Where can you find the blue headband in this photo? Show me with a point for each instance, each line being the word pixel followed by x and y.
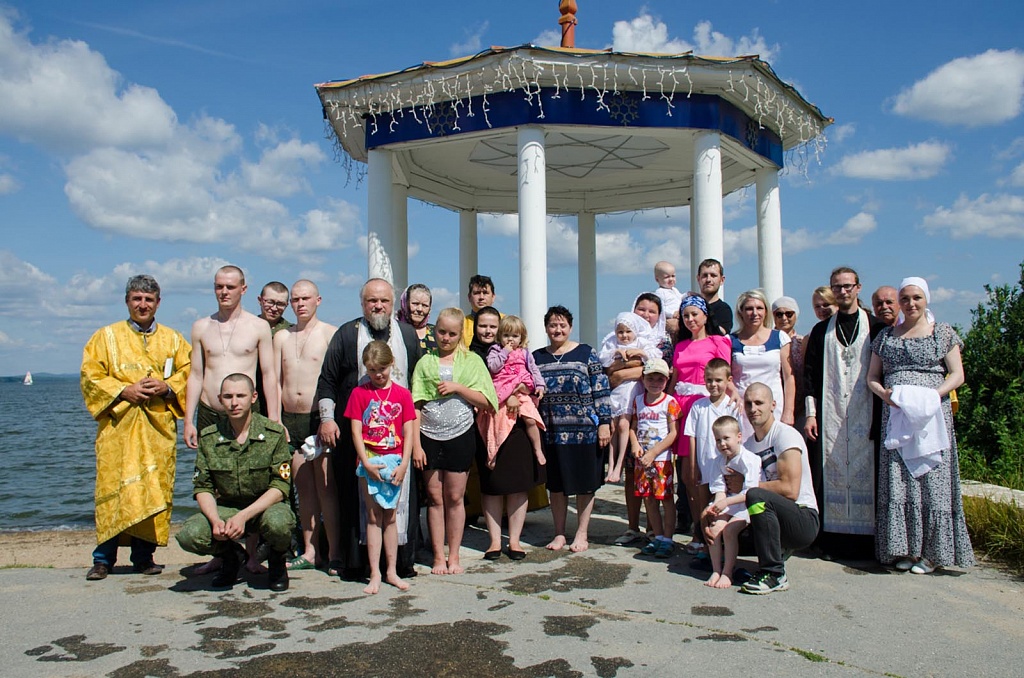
pixel 694 301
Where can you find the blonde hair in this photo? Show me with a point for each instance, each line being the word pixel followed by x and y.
pixel 825 292
pixel 456 315
pixel 725 422
pixel 378 354
pixel 510 324
pixel 759 295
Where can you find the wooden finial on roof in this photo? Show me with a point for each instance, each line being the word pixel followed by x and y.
pixel 568 22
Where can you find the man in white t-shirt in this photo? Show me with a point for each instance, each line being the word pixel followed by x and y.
pixel 783 510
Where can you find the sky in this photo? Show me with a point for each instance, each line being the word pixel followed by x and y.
pixel 173 138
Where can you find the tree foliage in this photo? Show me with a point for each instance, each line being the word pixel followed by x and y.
pixel 990 423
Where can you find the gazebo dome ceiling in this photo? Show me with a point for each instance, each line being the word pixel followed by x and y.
pixel 619 128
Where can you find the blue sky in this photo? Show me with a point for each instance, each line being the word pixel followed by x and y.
pixel 171 138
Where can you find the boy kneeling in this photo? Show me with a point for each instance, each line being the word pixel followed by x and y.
pixel 243 473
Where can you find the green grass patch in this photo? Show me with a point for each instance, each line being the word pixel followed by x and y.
pixel 810 656
pixel 19 566
pixel 997 530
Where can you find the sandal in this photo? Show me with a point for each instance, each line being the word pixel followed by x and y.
pixel 334 568
pixel 299 563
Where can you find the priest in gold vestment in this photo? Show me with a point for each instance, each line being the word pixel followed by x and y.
pixel 133 381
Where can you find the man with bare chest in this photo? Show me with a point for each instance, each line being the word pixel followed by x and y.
pixel 299 351
pixel 229 341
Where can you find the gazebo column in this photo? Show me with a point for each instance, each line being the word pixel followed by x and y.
pixel 769 233
pixel 691 285
pixel 380 208
pixel 468 253
pixel 707 198
pixel 586 250
pixel 400 237
pixel 533 248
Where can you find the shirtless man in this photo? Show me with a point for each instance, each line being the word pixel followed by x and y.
pixel 299 351
pixel 229 341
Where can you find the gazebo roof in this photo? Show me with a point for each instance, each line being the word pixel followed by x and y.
pixel 620 127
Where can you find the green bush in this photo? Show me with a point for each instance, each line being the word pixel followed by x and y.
pixel 990 423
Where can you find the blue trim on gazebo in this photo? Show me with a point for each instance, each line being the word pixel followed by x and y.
pixel 567 107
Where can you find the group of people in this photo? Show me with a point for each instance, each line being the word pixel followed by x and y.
pixel 347 432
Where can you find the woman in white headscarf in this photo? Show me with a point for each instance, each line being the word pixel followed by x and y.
pixel 920 521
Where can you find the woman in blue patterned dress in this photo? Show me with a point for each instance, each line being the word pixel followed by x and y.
pixel 577 415
pixel 920 518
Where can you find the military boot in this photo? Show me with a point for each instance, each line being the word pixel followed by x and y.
pixel 277 577
pixel 228 574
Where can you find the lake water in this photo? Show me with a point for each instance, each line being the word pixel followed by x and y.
pixel 47 443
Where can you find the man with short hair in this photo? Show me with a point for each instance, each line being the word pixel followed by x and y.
pixel 885 305
pixel 273 300
pixel 133 380
pixel 480 296
pixel 300 353
pixel 229 341
pixel 242 475
pixel 782 508
pixel 342 370
pixel 843 418
pixel 710 276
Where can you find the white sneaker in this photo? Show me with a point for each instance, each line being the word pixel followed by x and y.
pixel 905 564
pixel 923 566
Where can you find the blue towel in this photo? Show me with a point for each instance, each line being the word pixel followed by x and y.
pixel 384 493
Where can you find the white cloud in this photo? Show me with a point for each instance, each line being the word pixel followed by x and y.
pixel 499 224
pixel 1017 176
pixel 442 297
pixel 353 280
pixel 840 133
pixel 854 230
pixel 472 42
pixel 961 298
pixel 175 276
pixel 996 216
pixel 917 161
pixel 6 340
pixel 549 38
pixel 22 286
pixel 62 95
pixel 646 33
pixel 279 170
pixel 985 89
pixel 738 243
pixel 8 184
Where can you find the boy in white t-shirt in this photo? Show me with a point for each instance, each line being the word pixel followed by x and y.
pixel 727 516
pixel 653 431
pixel 703 414
pixel 665 276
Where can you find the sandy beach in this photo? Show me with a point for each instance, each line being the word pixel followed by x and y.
pixel 71 548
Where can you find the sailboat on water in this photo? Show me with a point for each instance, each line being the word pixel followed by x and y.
pixel 28 379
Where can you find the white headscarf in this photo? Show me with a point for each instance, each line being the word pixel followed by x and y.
pixel 644 338
pixel 923 284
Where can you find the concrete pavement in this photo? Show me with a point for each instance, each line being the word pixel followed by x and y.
pixel 605 612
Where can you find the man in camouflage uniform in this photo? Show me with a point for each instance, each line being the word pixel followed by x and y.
pixel 243 474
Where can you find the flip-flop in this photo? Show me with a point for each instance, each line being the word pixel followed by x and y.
pixel 334 568
pixel 300 563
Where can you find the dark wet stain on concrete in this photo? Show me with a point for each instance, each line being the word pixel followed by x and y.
pixel 330 625
pixel 233 609
pixel 852 570
pixel 157 668
pixel 152 650
pixel 308 603
pixel 576 573
pixel 481 595
pixel 398 609
pixel 723 637
pixel 279 636
pixel 589 601
pixel 608 667
pixel 639 611
pixel 463 648
pixel 500 606
pixel 543 555
pixel 577 626
pixel 224 642
pixel 760 629
pixel 144 589
pixel 77 650
pixel 36 651
pixel 843 610
pixel 710 611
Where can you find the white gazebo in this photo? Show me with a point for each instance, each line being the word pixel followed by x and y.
pixel 562 131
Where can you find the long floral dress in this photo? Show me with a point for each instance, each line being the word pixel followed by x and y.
pixel 920 516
